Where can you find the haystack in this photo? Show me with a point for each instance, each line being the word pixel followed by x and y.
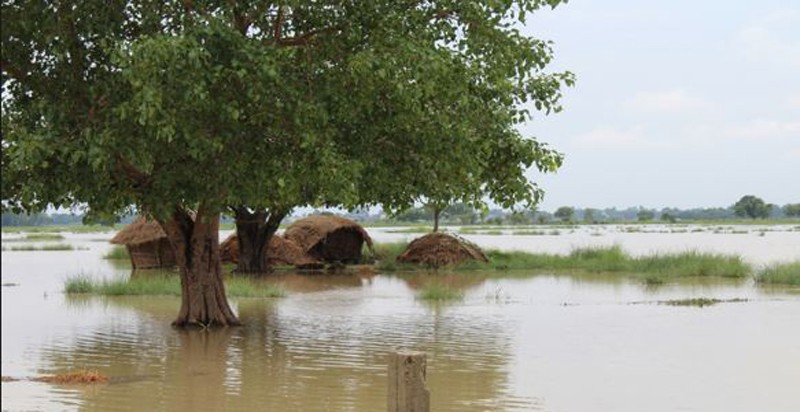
pixel 441 249
pixel 280 252
pixel 329 238
pixel 147 244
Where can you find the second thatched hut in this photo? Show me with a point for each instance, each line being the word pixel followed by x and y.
pixel 147 244
pixel 329 238
pixel 280 252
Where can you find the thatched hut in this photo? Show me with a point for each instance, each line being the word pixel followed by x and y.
pixel 329 238
pixel 147 244
pixel 441 249
pixel 281 251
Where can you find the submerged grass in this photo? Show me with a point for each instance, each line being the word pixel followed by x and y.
pixel 699 302
pixel 117 253
pixel 44 236
pixel 165 285
pixel 40 248
pixel 781 273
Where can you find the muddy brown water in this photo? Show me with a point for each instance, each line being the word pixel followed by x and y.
pixel 516 342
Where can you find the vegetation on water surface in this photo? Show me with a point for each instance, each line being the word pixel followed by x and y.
pixel 117 253
pixel 780 273
pixel 653 269
pixel 42 248
pixel 79 377
pixel 699 302
pixel 165 284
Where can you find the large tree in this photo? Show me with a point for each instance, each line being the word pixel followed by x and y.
pixel 752 207
pixel 185 109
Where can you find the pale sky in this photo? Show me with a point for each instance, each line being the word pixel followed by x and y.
pixel 677 103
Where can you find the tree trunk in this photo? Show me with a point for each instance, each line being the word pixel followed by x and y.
pixel 436 212
pixel 254 231
pixel 196 246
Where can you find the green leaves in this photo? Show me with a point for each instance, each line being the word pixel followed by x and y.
pixel 170 103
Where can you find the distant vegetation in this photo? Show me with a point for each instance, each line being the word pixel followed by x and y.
pixel 39 248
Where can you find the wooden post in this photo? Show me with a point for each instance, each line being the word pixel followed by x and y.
pixel 407 388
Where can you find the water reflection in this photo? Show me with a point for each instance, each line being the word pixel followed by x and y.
pixel 282 359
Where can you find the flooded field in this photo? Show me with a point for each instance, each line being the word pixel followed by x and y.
pixel 516 342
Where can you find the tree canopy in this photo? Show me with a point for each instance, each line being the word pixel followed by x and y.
pixel 176 107
pixel 752 207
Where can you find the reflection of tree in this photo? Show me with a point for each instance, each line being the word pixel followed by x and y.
pixel 305 352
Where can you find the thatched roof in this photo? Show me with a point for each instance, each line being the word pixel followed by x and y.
pixel 281 251
pixel 140 231
pixel 441 249
pixel 309 231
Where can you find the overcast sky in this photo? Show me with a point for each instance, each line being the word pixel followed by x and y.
pixel 678 103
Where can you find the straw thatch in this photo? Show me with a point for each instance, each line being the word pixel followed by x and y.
pixel 147 245
pixel 441 249
pixel 281 251
pixel 329 238
pixel 140 231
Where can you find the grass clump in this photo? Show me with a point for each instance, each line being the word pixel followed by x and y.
pixel 78 285
pixel 699 302
pixel 439 292
pixel 693 263
pixel 781 273
pixel 165 285
pixel 43 236
pixel 117 253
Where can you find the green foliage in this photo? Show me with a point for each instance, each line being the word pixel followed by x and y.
pixel 645 215
pixel 565 213
pixel 158 104
pixel 781 273
pixel 752 207
pixel 792 209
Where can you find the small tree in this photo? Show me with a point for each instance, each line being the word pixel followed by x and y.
pixel 565 213
pixel 752 207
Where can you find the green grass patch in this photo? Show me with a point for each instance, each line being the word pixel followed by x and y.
pixel 699 302
pixel 653 270
pixel 435 291
pixel 117 253
pixel 166 285
pixel 44 236
pixel 781 273
pixel 529 233
pixel 41 248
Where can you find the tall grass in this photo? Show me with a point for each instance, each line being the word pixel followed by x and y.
pixel 165 285
pixel 781 273
pixel 117 253
pixel 654 269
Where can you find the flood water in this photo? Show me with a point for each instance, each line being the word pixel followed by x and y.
pixel 517 341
